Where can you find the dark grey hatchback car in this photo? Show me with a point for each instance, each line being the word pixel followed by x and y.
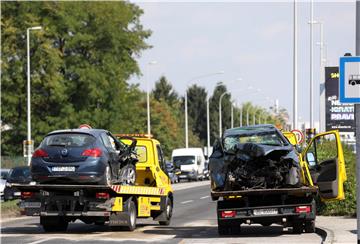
pixel 84 156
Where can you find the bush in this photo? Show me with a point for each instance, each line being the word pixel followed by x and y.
pixel 347 207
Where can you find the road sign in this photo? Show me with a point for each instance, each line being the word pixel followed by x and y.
pixel 349 88
pixel 299 136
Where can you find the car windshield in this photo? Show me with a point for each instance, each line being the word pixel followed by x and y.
pixel 69 140
pixel 4 174
pixel 183 160
pixel 271 138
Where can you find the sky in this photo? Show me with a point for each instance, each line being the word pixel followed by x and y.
pixel 251 41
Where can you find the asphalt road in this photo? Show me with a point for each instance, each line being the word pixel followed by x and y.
pixel 194 221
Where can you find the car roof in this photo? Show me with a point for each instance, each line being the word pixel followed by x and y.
pixel 94 132
pixel 249 129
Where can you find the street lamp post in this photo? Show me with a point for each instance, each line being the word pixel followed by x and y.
pixel 186 104
pixel 148 98
pixel 220 115
pixel 311 64
pixel 29 142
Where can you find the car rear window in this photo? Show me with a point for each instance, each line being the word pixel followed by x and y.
pixel 69 140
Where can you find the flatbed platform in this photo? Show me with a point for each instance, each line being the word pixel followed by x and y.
pixel 288 191
pixel 120 189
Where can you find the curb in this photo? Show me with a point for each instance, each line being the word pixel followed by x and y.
pixel 327 235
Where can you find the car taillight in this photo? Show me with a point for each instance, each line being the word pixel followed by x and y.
pixel 102 195
pixel 303 209
pixel 228 214
pixel 93 152
pixel 40 153
pixel 26 194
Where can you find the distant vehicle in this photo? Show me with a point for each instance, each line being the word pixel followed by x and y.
pixel 77 156
pixel 190 161
pixel 4 175
pixel 19 175
pixel 206 171
pixel 354 80
pixel 170 169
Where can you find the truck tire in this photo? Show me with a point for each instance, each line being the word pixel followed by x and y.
pixel 298 227
pixel 53 223
pixel 229 228
pixel 132 217
pixel 168 212
pixel 310 226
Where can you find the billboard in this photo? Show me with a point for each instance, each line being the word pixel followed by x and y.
pixel 339 116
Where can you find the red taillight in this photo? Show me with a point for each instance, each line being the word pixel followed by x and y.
pixel 303 209
pixel 102 195
pixel 40 153
pixel 93 152
pixel 228 214
pixel 26 194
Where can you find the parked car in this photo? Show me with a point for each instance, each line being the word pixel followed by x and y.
pixel 19 175
pixel 191 163
pixel 77 156
pixel 4 175
pixel 172 172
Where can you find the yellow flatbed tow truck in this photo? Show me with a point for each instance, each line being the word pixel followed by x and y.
pixel 117 205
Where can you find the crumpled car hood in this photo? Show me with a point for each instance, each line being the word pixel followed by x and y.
pixel 254 166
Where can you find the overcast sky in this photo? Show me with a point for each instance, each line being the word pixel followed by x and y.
pixel 248 40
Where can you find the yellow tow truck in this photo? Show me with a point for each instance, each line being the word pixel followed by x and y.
pixel 117 205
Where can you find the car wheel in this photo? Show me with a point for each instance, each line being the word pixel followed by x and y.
pixel 353 83
pixel 107 178
pixel 128 174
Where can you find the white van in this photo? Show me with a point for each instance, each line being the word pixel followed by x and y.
pixel 190 161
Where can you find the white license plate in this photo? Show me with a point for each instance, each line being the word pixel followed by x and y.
pixel 17 193
pixel 267 211
pixel 30 204
pixel 63 169
pixel 183 176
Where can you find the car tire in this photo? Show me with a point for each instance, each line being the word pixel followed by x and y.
pixel 128 174
pixel 353 83
pixel 107 178
pixel 168 212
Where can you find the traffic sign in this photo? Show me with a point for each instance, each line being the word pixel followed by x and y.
pixel 349 85
pixel 299 136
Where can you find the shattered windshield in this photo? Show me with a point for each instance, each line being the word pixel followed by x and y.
pixel 271 138
pixel 183 160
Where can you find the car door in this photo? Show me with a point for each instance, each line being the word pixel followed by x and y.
pixel 110 144
pixel 325 159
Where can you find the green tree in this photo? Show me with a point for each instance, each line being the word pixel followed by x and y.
pixel 164 91
pixel 197 111
pixel 80 63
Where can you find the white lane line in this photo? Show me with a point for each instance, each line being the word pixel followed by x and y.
pixel 204 197
pixel 189 201
pixel 42 240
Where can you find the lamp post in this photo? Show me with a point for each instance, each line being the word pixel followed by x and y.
pixel 148 97
pixel 29 142
pixel 186 103
pixel 311 64
pixel 295 77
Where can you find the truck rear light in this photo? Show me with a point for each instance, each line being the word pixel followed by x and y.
pixel 102 195
pixel 303 209
pixel 40 153
pixel 93 152
pixel 26 194
pixel 228 214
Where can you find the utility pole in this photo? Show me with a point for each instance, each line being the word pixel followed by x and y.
pixel 311 64
pixel 357 125
pixel 295 95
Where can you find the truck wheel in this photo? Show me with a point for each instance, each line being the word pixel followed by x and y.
pixel 310 226
pixel 214 198
pixel 53 224
pixel 132 217
pixel 297 227
pixel 168 212
pixel 223 230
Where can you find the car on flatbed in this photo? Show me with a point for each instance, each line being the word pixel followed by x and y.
pixel 246 193
pixel 118 205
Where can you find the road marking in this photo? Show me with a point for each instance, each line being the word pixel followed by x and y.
pixel 189 201
pixel 204 197
pixel 39 241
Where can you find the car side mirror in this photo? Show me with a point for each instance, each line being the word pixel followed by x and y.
pixel 310 158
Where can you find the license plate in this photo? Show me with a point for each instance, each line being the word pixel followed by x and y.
pixel 18 193
pixel 63 169
pixel 30 204
pixel 183 176
pixel 268 211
